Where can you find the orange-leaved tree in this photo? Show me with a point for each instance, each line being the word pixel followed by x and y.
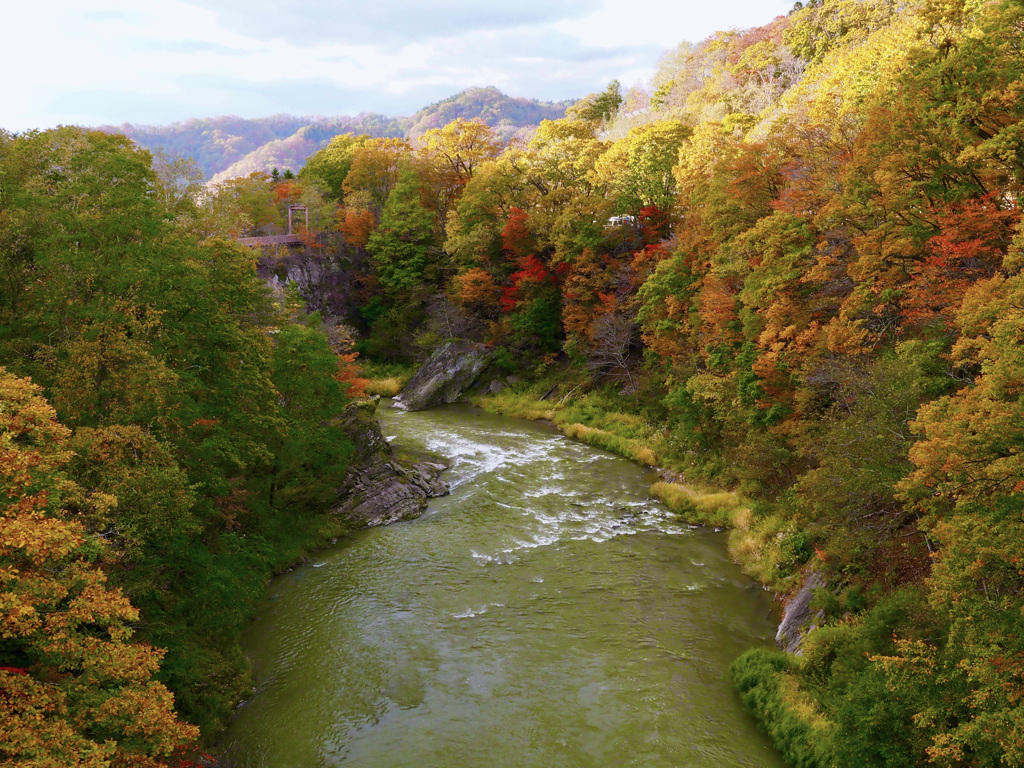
pixel 74 689
pixel 968 482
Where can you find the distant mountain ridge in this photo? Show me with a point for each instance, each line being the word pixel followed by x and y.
pixel 506 114
pixel 227 147
pixel 290 152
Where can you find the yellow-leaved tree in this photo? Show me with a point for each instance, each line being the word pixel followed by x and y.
pixel 74 688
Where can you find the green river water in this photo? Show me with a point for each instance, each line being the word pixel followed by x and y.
pixel 547 614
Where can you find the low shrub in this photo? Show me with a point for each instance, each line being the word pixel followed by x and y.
pixel 768 547
pixel 787 714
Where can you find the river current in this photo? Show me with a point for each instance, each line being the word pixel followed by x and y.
pixel 547 614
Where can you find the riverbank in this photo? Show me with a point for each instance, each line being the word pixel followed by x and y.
pixel 767 546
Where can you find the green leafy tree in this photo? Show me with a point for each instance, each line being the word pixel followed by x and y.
pixel 155 502
pixel 375 170
pixel 330 166
pixel 311 453
pixel 403 246
pixel 598 107
pixel 638 168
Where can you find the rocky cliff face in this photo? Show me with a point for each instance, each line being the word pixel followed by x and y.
pixel 382 487
pixel 449 372
pixel 798 618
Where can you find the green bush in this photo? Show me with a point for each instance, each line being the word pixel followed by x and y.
pixel 767 688
pixel 795 548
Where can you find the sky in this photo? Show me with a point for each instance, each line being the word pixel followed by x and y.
pixel 153 62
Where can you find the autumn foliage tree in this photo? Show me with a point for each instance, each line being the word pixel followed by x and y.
pixel 803 257
pixel 74 688
pixel 156 345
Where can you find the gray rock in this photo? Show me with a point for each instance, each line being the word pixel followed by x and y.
pixel 797 619
pixel 442 379
pixel 359 422
pixel 496 387
pixel 382 487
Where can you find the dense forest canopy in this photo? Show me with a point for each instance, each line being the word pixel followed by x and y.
pixel 800 257
pixel 183 450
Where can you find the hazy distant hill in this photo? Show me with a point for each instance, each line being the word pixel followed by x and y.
pixel 216 142
pixel 226 147
pixel 281 141
pixel 507 114
pixel 290 153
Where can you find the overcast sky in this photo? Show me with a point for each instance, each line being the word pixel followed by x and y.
pixel 94 62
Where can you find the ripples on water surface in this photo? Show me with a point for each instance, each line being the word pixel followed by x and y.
pixel 547 613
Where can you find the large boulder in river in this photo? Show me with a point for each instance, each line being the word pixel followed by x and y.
pixel 450 371
pixel 383 486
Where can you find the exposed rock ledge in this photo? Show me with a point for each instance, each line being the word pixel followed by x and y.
pixel 450 371
pixel 382 487
pixel 797 620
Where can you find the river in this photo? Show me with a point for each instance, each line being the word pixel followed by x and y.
pixel 547 614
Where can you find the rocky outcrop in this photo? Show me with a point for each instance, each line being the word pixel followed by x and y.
pixel 382 486
pixel 442 379
pixel 798 619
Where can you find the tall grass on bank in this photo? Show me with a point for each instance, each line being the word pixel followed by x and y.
pixel 766 546
pixel 386 380
pixel 763 545
pixel 609 441
pixel 719 508
pixel 593 417
pixel 520 405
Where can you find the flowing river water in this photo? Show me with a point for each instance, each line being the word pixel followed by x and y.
pixel 547 614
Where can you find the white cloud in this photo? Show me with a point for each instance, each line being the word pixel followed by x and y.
pixel 153 61
pixel 389 23
pixel 666 24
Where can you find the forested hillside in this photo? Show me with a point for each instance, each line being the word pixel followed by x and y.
pixel 797 275
pixel 166 443
pixel 214 143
